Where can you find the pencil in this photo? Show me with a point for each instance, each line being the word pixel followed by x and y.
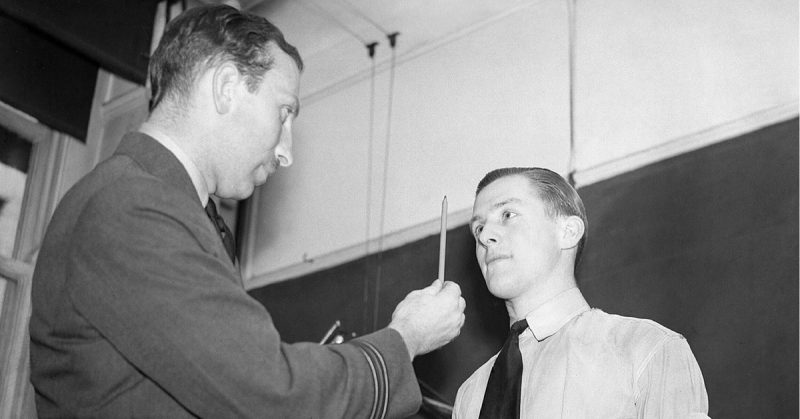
pixel 443 239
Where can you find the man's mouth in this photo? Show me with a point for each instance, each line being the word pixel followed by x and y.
pixel 271 166
pixel 495 257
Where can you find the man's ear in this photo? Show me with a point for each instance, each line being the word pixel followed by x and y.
pixel 224 80
pixel 572 229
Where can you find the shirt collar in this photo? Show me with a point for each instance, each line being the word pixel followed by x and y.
pixel 549 317
pixel 194 173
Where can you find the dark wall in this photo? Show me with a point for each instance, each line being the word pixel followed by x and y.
pixel 303 309
pixel 705 243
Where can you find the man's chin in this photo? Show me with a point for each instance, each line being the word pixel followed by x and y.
pixel 248 190
pixel 499 286
pixel 244 191
pixel 260 177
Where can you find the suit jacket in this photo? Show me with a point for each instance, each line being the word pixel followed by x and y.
pixel 139 312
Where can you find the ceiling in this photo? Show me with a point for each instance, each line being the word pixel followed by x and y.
pixel 332 35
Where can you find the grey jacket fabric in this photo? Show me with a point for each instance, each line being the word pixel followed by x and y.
pixel 139 312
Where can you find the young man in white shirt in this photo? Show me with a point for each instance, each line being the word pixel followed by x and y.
pixel 530 227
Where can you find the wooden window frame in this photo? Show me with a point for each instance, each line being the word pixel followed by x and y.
pixel 42 192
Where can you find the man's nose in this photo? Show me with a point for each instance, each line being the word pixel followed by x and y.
pixel 283 152
pixel 488 236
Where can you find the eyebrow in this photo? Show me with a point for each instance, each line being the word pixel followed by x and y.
pixel 496 206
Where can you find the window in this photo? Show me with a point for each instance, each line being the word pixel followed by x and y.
pixel 15 157
pixel 27 154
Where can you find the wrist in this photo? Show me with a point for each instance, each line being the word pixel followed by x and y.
pixel 411 346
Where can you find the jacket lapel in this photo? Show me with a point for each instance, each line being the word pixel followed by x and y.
pixel 160 162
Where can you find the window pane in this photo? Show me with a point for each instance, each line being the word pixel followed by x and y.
pixel 15 157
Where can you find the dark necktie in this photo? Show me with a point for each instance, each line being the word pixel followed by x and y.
pixel 502 396
pixel 222 229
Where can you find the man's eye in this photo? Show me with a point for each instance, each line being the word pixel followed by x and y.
pixel 478 230
pixel 509 214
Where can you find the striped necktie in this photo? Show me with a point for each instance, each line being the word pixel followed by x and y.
pixel 222 229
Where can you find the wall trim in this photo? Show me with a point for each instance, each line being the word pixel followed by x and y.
pixel 348 254
pixel 672 148
pixel 43 189
pixel 14 314
pixel 21 123
pixel 685 144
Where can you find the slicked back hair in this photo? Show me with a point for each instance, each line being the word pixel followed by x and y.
pixel 204 36
pixel 559 197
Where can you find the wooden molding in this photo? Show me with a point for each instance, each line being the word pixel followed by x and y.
pixel 16 311
pixel 42 193
pixel 389 241
pixel 21 123
pixel 685 144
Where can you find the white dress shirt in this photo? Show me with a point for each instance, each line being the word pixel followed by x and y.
pixel 580 362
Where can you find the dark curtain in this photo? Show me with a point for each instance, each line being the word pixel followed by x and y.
pixel 51 52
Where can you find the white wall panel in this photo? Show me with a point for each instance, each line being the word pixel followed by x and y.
pixel 652 79
pixel 498 97
pixel 650 71
pixel 495 95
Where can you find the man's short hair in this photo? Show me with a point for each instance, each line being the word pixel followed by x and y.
pixel 559 197
pixel 204 36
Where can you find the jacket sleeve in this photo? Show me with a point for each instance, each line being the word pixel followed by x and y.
pixel 146 270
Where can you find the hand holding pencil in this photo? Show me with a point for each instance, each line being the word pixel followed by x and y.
pixel 431 317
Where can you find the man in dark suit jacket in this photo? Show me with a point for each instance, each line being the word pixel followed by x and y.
pixel 138 310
